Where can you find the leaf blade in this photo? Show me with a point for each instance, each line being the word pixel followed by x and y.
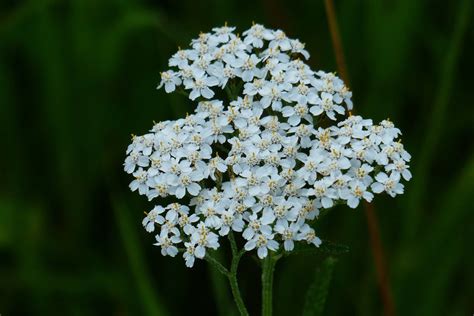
pixel 319 288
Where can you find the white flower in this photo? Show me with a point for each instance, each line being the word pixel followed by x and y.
pixel 200 84
pixel 216 164
pixel 258 225
pixel 308 210
pixel 248 66
pixel 326 104
pixel 186 222
pixel 389 184
pixel 140 181
pixel 302 94
pixel 167 243
pixel 322 190
pixel 272 94
pixel 257 163
pixel 280 40
pixel 204 238
pixel 230 221
pixel 222 72
pixel 253 88
pixel 210 211
pixel 361 171
pixel 186 181
pixel 355 193
pixel 296 113
pixel 304 132
pixel 311 164
pixel 135 159
pixel 170 80
pixel 176 166
pixel 181 58
pixel 399 167
pixel 298 47
pixel 256 34
pixel 153 217
pixel 190 254
pixel 255 177
pixel 224 34
pixel 158 186
pixel 288 233
pixel 263 242
pixel 307 233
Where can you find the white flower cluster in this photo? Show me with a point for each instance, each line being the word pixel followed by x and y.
pixel 267 63
pixel 265 162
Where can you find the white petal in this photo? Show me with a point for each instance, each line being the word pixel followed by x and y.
pixel 180 191
pixel 169 87
pixel 353 202
pixel 194 94
pixel 406 175
pixel 200 252
pixel 326 202
pixel 172 251
pixel 377 187
pixel 194 189
pixel 248 233
pixel 262 252
pixel 249 245
pixel 289 245
pixel 207 93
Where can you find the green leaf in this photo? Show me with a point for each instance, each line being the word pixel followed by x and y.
pixel 318 290
pixel 139 268
pixel 437 119
pixel 332 248
pixel 219 282
pixel 327 247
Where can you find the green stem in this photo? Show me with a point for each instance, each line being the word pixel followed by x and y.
pixel 216 264
pixel 219 286
pixel 268 267
pixel 233 244
pixel 234 285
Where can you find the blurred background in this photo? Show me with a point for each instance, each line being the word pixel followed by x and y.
pixel 77 77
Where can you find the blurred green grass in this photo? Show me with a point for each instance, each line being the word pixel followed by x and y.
pixel 78 76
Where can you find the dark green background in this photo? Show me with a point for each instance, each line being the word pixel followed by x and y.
pixel 78 77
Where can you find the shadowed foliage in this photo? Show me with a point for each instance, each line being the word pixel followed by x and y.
pixel 77 77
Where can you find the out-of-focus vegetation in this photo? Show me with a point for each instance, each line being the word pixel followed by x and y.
pixel 78 76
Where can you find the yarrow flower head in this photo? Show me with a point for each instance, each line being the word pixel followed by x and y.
pixel 266 160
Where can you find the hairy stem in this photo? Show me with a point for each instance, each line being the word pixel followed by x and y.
pixel 232 275
pixel 268 267
pixel 222 296
pixel 216 264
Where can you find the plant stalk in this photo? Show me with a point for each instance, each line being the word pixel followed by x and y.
pixel 373 226
pixel 268 267
pixel 232 275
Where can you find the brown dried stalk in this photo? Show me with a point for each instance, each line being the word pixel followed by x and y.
pixel 372 222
